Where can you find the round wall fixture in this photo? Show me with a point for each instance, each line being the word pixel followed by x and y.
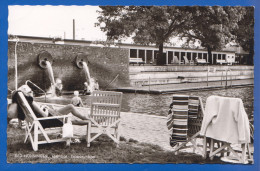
pixel 43 57
pixel 80 58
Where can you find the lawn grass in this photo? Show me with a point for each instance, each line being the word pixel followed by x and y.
pixel 101 151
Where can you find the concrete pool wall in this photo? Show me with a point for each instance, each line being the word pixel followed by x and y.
pixel 105 63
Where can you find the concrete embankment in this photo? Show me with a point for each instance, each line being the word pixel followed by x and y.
pixel 156 75
pixel 164 79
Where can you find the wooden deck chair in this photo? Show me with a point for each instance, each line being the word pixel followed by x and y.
pixel 105 115
pixel 238 156
pixel 37 127
pixel 186 60
pixel 190 110
pixel 175 60
pixel 235 152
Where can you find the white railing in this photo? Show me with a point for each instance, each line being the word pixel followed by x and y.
pixel 28 81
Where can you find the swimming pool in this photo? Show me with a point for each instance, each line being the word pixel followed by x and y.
pixel 155 104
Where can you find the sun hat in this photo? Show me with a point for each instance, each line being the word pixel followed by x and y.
pixel 25 89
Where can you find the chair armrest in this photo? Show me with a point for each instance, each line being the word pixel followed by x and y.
pixel 53 117
pixel 107 116
pixel 106 104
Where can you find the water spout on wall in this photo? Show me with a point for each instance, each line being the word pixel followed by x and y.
pixel 51 90
pixel 86 70
pixel 89 80
pixel 50 72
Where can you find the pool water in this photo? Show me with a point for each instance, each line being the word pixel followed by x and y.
pixel 159 104
pixel 155 104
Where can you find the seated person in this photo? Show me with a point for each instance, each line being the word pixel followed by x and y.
pixel 58 87
pixel 86 89
pixel 96 85
pixel 43 111
pixel 76 100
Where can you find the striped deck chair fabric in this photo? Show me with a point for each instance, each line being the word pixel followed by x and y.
pixel 177 121
pixel 195 115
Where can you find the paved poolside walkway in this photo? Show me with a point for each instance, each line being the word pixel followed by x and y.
pixel 146 129
pixel 141 127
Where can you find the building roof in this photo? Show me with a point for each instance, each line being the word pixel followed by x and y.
pixel 35 39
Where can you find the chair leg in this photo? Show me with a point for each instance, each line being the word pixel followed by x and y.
pixel 35 138
pixel 243 157
pixel 219 144
pixel 204 147
pixel 68 142
pixel 249 151
pixel 117 134
pixel 211 149
pixel 194 146
pixel 88 134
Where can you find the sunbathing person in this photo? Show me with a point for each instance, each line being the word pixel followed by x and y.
pixel 44 111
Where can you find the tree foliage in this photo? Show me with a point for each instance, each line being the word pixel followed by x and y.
pixel 245 33
pixel 213 26
pixel 145 24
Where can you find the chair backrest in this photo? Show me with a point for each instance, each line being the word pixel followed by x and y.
pixel 106 107
pixel 30 116
pixel 196 112
pixel 106 97
pixel 175 60
pixel 27 110
pixel 194 106
pixel 177 121
pixel 186 60
pixel 185 116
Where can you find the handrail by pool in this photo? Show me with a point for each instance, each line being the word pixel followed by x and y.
pixel 26 82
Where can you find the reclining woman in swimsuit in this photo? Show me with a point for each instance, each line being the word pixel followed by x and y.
pixel 41 112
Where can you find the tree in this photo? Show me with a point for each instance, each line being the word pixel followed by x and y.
pixel 213 26
pixel 245 33
pixel 145 24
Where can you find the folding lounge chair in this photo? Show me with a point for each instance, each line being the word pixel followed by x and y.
pixel 184 122
pixel 44 127
pixel 175 60
pixel 229 115
pixel 186 60
pixel 105 115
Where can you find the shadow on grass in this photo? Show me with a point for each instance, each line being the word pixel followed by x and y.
pixel 103 150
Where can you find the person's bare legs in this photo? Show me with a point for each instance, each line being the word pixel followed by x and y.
pixel 80 122
pixel 71 109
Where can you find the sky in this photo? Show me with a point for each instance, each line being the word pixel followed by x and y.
pixel 55 21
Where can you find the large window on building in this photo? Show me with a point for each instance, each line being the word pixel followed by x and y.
pixel 133 53
pixel 182 56
pixel 200 55
pixel 149 56
pixel 189 55
pixel 205 56
pixel 224 56
pixel 176 54
pixel 142 54
pixel 170 57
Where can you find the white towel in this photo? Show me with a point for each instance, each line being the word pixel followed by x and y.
pixel 225 119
